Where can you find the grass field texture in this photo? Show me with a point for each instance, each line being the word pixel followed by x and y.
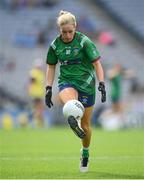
pixel 54 154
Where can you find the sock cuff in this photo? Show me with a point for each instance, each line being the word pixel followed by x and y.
pixel 85 152
pixel 85 149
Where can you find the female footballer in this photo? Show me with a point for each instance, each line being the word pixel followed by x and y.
pixel 79 60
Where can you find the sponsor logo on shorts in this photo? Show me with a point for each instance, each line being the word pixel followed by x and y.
pixel 84 99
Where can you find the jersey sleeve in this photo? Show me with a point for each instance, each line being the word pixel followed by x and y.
pixel 91 50
pixel 51 57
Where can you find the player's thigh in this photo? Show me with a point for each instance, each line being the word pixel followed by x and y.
pixel 68 94
pixel 39 105
pixel 87 116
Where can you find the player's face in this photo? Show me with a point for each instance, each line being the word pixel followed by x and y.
pixel 67 32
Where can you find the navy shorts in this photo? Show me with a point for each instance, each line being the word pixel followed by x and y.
pixel 86 99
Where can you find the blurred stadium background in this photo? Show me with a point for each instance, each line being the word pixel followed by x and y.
pixel 27 28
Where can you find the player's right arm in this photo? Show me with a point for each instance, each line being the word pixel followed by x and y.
pixel 50 74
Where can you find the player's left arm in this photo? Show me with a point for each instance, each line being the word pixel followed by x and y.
pixel 99 70
pixel 100 75
pixel 94 57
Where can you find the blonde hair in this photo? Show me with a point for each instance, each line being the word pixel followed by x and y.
pixel 66 17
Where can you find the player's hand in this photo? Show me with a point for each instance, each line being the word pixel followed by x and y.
pixel 101 88
pixel 48 96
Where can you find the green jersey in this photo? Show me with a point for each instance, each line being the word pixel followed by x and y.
pixel 116 87
pixel 75 60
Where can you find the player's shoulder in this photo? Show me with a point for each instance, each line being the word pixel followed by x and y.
pixel 55 42
pixel 82 38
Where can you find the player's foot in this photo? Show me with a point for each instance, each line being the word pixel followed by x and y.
pixel 75 127
pixel 84 162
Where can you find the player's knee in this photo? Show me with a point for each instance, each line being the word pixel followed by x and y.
pixel 73 108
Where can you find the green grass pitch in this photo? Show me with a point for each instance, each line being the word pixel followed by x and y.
pixel 54 153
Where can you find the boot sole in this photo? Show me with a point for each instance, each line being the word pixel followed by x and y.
pixel 74 126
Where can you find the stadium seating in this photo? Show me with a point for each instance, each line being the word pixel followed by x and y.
pixel 128 13
pixel 17 42
pixel 27 21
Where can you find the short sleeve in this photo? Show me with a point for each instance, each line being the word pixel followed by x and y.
pixel 51 57
pixel 91 50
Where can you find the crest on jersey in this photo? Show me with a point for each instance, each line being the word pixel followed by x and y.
pixel 68 51
pixel 75 51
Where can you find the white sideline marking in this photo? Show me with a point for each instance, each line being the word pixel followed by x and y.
pixel 68 158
